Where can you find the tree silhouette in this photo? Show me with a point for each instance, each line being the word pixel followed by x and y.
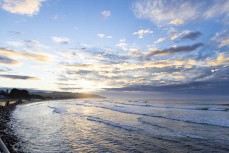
pixel 16 93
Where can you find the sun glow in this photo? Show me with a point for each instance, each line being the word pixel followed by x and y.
pixel 86 84
pixel 89 86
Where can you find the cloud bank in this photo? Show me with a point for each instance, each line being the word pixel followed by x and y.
pixel 174 50
pixel 6 60
pixel 24 55
pixel 18 77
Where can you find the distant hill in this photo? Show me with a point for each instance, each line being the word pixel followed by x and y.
pixel 28 94
pixel 65 95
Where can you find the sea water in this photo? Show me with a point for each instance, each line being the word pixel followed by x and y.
pixel 108 125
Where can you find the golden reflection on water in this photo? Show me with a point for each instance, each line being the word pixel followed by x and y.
pixel 95 126
pixel 84 135
pixel 78 129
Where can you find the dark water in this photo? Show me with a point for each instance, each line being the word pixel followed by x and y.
pixel 122 126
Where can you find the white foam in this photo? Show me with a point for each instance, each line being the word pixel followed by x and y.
pixel 214 122
pixel 58 110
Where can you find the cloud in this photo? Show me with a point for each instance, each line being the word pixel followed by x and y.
pixel 221 38
pixel 101 35
pixel 106 14
pixel 117 69
pixel 132 49
pixel 160 40
pixel 158 72
pixel 65 84
pixel 176 63
pixel 197 88
pixel 224 42
pixel 23 7
pixel 222 59
pixel 179 11
pixel 216 9
pixel 61 40
pixel 15 43
pixel 113 71
pixel 94 55
pixel 24 55
pixel 84 72
pixel 5 69
pixel 18 77
pixel 184 35
pixel 27 45
pixel 174 50
pixel 164 11
pixel 16 32
pixel 191 35
pixel 177 21
pixel 82 66
pixel 6 60
pixel 175 35
pixel 70 88
pixel 122 44
pixel 143 32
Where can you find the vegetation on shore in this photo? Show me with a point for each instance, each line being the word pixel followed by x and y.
pixel 18 94
pixel 25 94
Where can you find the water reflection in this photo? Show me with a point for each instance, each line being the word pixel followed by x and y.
pixel 114 126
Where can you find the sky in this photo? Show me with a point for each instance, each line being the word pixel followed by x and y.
pixel 116 46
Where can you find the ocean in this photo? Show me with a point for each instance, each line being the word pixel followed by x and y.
pixel 111 125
